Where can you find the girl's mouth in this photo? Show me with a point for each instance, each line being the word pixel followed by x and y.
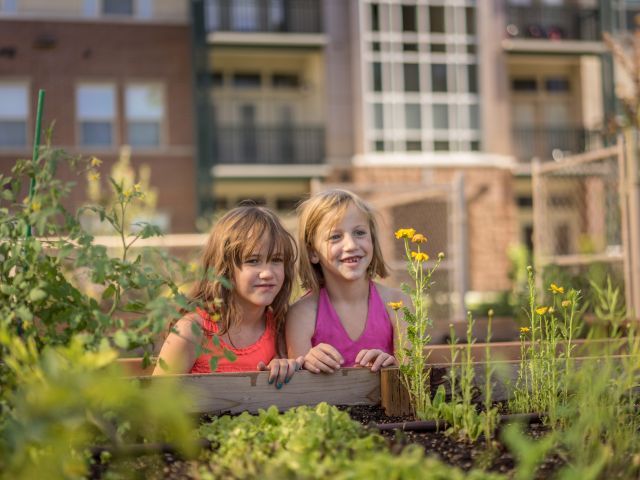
pixel 350 260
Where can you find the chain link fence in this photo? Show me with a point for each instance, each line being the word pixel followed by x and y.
pixel 581 226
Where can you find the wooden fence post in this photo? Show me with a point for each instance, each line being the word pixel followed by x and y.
pixel 394 397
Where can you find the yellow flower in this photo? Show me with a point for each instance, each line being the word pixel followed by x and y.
pixel 556 289
pixel 95 162
pixel 93 176
pixel 440 256
pixel 193 267
pixel 128 193
pixel 217 302
pixel 36 206
pixel 419 256
pixel 542 310
pixel 524 329
pixel 566 303
pixel 215 317
pixel 395 305
pixel 419 238
pixel 137 188
pixel 405 233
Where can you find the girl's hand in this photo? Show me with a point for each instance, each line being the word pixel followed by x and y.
pixel 375 359
pixel 323 358
pixel 282 369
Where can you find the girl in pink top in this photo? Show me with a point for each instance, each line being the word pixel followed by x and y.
pixel 245 314
pixel 344 319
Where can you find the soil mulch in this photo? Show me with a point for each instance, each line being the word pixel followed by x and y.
pixel 462 454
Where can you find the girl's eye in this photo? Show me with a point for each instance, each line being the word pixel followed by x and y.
pixel 251 261
pixel 277 259
pixel 334 237
pixel 360 233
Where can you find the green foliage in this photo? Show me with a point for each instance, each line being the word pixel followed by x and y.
pixel 58 283
pixel 64 399
pixel 410 350
pixel 309 443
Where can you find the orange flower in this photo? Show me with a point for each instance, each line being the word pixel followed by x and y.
pixel 419 238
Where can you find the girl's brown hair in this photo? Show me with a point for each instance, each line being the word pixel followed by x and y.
pixel 232 239
pixel 311 213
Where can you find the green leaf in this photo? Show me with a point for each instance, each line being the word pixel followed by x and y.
pixel 121 340
pixel 216 340
pixel 229 355
pixel 163 364
pixel 36 294
pixel 109 292
pixel 213 363
pixel 24 313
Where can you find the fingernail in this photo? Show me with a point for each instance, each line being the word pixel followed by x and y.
pixel 297 368
pixel 278 385
pixel 271 380
pixel 286 380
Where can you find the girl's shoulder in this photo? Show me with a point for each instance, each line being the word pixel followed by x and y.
pixel 304 307
pixel 184 326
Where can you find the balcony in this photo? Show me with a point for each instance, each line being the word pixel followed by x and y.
pixel 263 145
pixel 529 142
pixel 264 16
pixel 553 23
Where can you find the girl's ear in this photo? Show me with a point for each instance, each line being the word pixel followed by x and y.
pixel 313 256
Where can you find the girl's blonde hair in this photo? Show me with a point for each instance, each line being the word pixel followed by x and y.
pixel 233 239
pixel 312 212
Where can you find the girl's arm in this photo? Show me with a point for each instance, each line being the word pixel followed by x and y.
pixel 179 349
pixel 299 328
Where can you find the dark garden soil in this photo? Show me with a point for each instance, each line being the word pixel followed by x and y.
pixel 462 454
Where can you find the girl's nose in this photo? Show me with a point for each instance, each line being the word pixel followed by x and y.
pixel 349 242
pixel 266 273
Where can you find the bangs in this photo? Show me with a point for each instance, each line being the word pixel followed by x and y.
pixel 258 233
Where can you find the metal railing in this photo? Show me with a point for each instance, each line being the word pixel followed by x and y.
pixel 286 16
pixel 551 22
pixel 268 145
pixel 548 143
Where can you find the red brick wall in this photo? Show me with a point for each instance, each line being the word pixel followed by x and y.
pixel 118 53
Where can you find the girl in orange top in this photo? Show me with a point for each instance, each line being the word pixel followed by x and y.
pixel 250 248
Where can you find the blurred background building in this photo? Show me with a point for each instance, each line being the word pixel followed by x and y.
pixel 270 99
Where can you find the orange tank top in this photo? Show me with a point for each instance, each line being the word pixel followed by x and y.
pixel 264 350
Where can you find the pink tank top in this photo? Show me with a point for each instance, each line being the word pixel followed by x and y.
pixel 377 333
pixel 264 350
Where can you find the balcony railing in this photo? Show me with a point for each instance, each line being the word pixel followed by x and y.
pixel 550 22
pixel 264 16
pixel 529 142
pixel 268 145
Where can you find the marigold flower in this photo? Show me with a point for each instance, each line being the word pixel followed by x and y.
pixel 542 310
pixel 419 256
pixel 524 329
pixel 556 289
pixel 419 238
pixel 395 305
pixel 566 303
pixel 95 162
pixel 94 176
pixel 405 233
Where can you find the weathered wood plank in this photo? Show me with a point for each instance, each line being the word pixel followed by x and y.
pixel 249 391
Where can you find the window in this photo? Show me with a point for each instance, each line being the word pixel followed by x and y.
pixel 216 79
pixel 440 117
pixel 524 85
pixel 557 84
pixel 413 145
pixel 470 20
pixel 8 6
pixel 472 78
pixel 247 80
pixel 409 47
pixel 436 19
pixel 117 7
pixel 412 118
pixel 409 18
pixel 377 76
pixel 14 109
pixel 285 80
pixel 244 15
pixel 378 116
pixel 411 77
pixel 144 105
pixel 375 17
pixel 438 48
pixel 439 77
pixel 95 111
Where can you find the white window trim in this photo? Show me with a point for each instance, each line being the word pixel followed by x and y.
pixel 164 129
pixel 27 118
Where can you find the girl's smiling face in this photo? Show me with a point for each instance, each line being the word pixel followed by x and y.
pixel 344 249
pixel 258 279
